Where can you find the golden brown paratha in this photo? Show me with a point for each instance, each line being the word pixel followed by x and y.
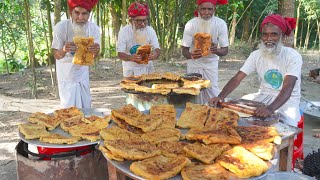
pixel 221 135
pixel 221 117
pixel 242 162
pixel 187 90
pixel 159 167
pixel 262 149
pixel 172 148
pixel 205 153
pixel 59 139
pixel 82 55
pixel 50 122
pixel 158 135
pixel 33 131
pixel 205 172
pixel 132 149
pixel 194 116
pixel 167 112
pixel 109 155
pixel 258 133
pixel 115 133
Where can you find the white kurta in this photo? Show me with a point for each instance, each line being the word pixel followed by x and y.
pixel 206 66
pixel 126 41
pixel 73 80
pixel 271 74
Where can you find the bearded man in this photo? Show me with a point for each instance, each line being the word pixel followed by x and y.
pixel 279 70
pixel 133 35
pixel 206 22
pixel 73 79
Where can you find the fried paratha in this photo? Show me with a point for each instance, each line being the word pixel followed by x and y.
pixel 205 153
pixel 172 148
pixel 109 155
pixel 258 133
pixel 185 90
pixel 115 133
pixel 171 76
pixel 242 162
pixel 262 149
pixel 220 117
pixel 68 113
pixel 33 131
pixel 194 116
pixel 159 167
pixel 158 135
pixel 167 112
pixel 202 41
pixel 221 135
pixel 132 149
pixel 82 55
pixel 205 172
pixel 59 139
pixel 121 123
pixel 50 122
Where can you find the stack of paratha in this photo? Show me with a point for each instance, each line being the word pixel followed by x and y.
pixel 219 148
pixel 70 120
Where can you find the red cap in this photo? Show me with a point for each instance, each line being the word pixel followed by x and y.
pixel 286 24
pixel 138 9
pixel 214 2
pixel 87 4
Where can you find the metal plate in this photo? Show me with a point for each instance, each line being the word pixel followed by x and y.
pixel 124 166
pixel 58 130
pixel 311 109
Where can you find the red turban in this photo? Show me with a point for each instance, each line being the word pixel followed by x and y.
pixel 286 24
pixel 138 9
pixel 214 2
pixel 87 4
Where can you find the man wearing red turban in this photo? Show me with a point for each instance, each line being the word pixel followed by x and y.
pixel 73 79
pixel 279 70
pixel 207 66
pixel 133 35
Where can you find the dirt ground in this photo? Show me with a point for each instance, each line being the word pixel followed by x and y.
pixel 17 104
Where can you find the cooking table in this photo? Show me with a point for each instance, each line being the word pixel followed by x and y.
pixel 284 162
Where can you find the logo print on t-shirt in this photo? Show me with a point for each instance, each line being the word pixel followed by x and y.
pixel 133 49
pixel 274 78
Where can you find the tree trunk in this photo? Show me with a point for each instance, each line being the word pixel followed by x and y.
pixel 301 33
pixel 50 55
pixel 233 28
pixel 297 28
pixel 246 26
pixel 30 48
pixel 286 9
pixel 57 11
pixel 124 13
pixel 306 41
pixel 115 22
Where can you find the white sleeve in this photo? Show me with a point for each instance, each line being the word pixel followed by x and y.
pixel 249 65
pixel 58 37
pixel 96 34
pixel 187 35
pixel 121 43
pixel 294 65
pixel 223 35
pixel 154 39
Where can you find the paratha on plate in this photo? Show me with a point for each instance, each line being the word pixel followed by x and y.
pixel 59 139
pixel 159 167
pixel 33 131
pixel 194 116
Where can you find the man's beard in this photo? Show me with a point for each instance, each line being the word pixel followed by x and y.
pixel 270 51
pixel 140 35
pixel 79 29
pixel 204 24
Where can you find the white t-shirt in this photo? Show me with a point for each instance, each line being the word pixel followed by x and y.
pixel 273 71
pixel 66 70
pixel 218 31
pixel 126 41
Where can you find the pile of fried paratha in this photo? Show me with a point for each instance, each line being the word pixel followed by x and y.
pixel 214 146
pixel 71 120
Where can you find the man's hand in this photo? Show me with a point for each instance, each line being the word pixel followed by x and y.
pixel 214 49
pixel 196 54
pixel 153 56
pixel 69 47
pixel 263 112
pixel 94 48
pixel 215 101
pixel 135 58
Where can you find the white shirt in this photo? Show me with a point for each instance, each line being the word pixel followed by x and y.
pixel 273 71
pixel 66 70
pixel 218 32
pixel 126 41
